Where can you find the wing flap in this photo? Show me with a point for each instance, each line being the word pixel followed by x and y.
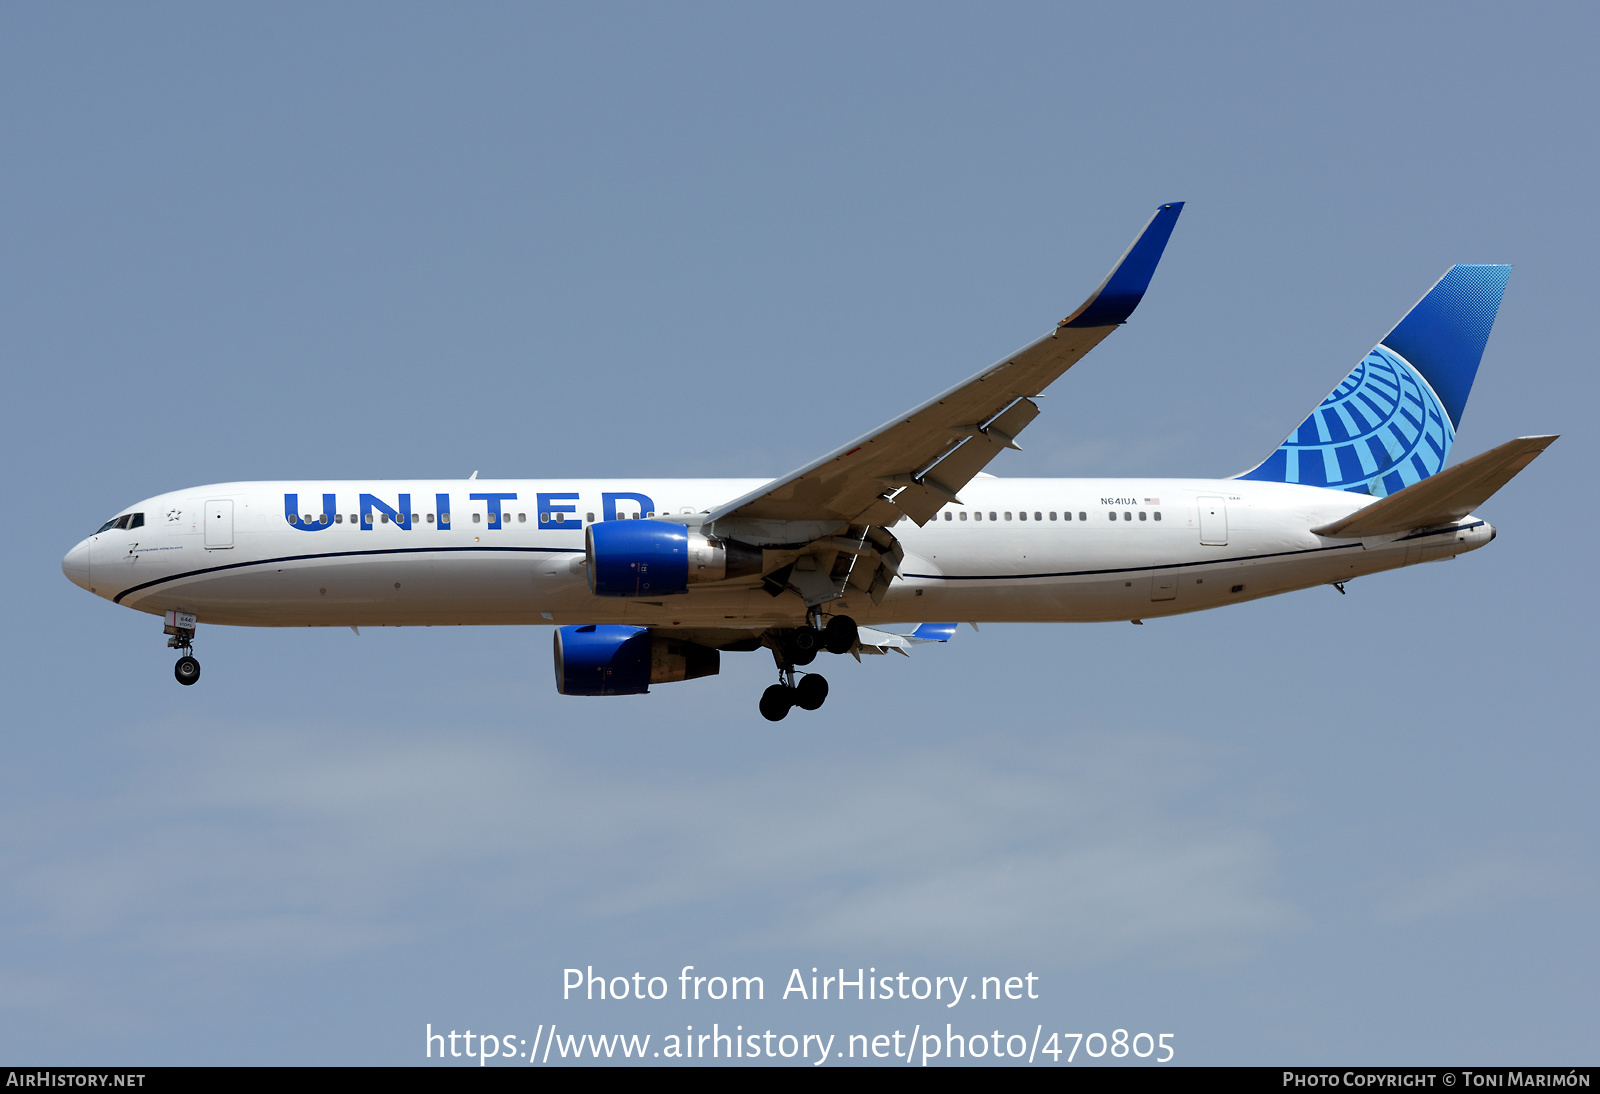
pixel 1442 498
pixel 928 491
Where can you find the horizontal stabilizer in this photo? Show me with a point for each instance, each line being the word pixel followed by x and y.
pixel 873 640
pixel 1442 498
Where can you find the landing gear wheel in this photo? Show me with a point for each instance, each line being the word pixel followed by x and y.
pixel 810 692
pixel 775 702
pixel 840 635
pixel 187 670
pixel 801 644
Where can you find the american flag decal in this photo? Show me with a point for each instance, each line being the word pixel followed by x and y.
pixel 1152 501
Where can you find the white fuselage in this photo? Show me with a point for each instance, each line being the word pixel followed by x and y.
pixel 1029 550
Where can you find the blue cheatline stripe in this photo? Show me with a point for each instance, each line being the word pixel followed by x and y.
pixel 344 554
pixel 927 577
pixel 1131 569
pixel 1183 565
pixel 1424 533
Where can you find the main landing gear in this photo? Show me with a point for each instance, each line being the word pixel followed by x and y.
pixel 180 629
pixel 808 694
pixel 800 646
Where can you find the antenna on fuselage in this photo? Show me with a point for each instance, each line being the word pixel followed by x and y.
pixel 472 476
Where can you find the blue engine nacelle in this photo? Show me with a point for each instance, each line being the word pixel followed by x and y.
pixel 659 558
pixel 615 660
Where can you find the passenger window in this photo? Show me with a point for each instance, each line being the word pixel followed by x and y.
pixel 1158 514
pixel 1020 516
pixel 444 518
pixel 338 518
pixel 1083 516
pixel 1052 514
pixel 383 518
pixel 963 514
pixel 1126 515
pixel 323 519
pixel 1036 515
pixel 1066 515
pixel 949 515
pixel 1141 514
pixel 991 515
pixel 413 518
pixel 476 518
pixel 1112 515
pixel 293 519
pixel 430 518
pixel 588 517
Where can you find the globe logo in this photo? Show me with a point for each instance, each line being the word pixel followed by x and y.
pixel 1379 431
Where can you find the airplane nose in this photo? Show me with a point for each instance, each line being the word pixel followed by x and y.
pixel 76 565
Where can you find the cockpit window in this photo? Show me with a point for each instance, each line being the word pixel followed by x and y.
pixel 126 520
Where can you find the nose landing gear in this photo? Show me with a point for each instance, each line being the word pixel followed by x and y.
pixel 180 628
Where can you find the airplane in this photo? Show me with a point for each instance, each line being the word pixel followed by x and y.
pixel 650 581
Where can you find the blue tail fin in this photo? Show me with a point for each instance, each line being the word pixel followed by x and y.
pixel 1391 422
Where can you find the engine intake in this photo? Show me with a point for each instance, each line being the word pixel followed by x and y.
pixel 617 660
pixel 659 558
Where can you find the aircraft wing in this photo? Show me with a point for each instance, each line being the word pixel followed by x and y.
pixel 917 463
pixel 1442 498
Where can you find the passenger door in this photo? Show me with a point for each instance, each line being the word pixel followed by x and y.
pixel 219 524
pixel 1213 522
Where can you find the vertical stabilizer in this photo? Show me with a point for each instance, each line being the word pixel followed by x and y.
pixel 1391 422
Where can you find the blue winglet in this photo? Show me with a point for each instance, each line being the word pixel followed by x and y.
pixel 1125 285
pixel 935 632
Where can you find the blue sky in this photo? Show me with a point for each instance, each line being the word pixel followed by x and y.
pixel 400 240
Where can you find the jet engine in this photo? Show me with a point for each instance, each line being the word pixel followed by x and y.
pixel 616 660
pixel 658 558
